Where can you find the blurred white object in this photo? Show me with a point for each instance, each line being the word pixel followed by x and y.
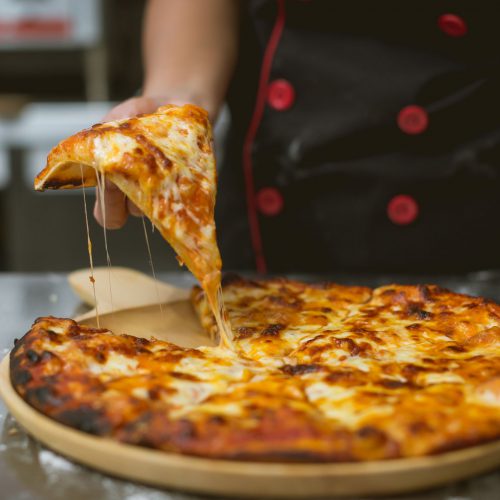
pixel 39 127
pixel 48 123
pixel 50 24
pixel 4 169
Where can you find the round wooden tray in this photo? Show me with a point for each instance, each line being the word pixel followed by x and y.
pixel 251 479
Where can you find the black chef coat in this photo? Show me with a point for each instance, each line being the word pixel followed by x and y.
pixel 365 137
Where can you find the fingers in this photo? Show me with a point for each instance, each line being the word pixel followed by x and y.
pixel 133 210
pixel 132 107
pixel 115 211
pixel 117 208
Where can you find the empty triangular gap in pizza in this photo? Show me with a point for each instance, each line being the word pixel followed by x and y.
pixel 164 163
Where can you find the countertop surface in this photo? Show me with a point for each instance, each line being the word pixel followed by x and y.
pixel 30 471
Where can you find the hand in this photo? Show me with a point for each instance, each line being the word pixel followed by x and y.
pixel 117 205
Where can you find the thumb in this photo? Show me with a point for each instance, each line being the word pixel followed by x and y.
pixel 110 208
pixel 132 107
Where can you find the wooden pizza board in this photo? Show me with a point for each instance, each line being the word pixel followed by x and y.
pixel 130 288
pixel 134 308
pixel 177 322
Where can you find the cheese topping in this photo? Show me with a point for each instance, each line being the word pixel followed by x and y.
pixel 385 376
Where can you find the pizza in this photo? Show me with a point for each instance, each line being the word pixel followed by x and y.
pixel 318 373
pixel 164 163
pixel 305 373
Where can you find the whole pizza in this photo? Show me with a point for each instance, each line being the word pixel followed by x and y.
pixel 302 372
pixel 317 373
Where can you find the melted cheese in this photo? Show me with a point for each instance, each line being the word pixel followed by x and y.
pixel 343 387
pixel 89 249
pixel 101 192
pixel 150 259
pixel 116 365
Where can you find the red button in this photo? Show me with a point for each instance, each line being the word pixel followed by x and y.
pixel 280 95
pixel 452 25
pixel 413 120
pixel 402 209
pixel 269 201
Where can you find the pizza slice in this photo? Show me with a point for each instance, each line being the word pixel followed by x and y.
pixel 164 163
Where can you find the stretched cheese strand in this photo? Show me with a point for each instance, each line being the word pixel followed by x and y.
pixel 101 186
pixel 213 291
pixel 222 319
pixel 152 265
pixel 89 249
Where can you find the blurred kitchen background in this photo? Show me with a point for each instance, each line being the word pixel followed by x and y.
pixel 63 63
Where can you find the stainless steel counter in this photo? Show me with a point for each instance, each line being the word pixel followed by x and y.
pixel 29 471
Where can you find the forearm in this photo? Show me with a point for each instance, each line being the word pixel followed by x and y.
pixel 190 49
